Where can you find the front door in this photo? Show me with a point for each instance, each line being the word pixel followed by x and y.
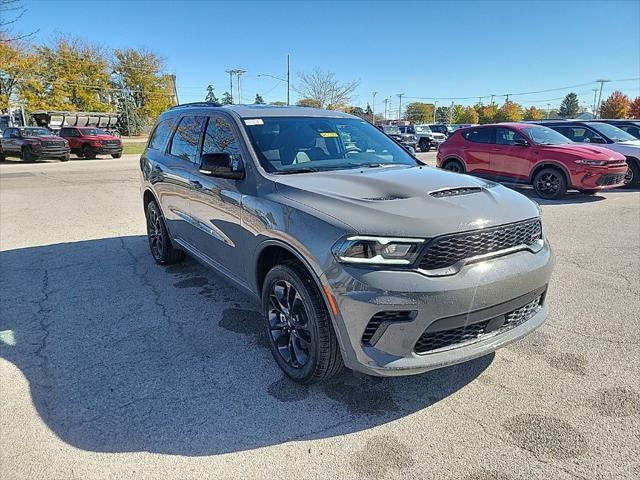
pixel 216 205
pixel 508 158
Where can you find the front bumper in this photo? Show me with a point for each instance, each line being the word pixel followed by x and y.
pixel 488 288
pixel 108 150
pixel 599 178
pixel 51 152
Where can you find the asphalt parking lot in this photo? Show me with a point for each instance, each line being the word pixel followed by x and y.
pixel 114 367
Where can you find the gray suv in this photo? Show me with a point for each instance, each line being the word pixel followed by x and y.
pixel 359 255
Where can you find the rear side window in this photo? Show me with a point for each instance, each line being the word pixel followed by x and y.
pixel 186 140
pixel 478 135
pixel 159 137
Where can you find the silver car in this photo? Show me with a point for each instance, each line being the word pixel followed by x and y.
pixel 361 256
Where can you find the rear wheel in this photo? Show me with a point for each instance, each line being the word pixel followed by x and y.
pixel 159 241
pixel 632 178
pixel 550 184
pixel 27 155
pixel 299 329
pixel 453 166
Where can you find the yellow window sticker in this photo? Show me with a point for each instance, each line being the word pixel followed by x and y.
pixel 328 134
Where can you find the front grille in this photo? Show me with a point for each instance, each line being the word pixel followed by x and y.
pixel 52 143
pixel 447 250
pixel 430 341
pixel 611 179
pixel 379 322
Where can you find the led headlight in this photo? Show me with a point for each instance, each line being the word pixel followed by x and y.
pixel 584 161
pixel 377 250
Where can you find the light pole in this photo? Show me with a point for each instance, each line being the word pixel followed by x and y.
pixel 548 110
pixel 595 95
pixel 238 73
pixel 231 74
pixel 373 109
pixel 435 103
pixel 602 82
pixel 400 106
pixel 386 104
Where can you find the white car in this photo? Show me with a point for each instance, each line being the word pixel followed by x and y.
pixel 608 136
pixel 427 139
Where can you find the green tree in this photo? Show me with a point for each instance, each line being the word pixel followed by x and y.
pixel 569 108
pixel 443 114
pixel 533 113
pixel 211 95
pixel 486 113
pixel 227 99
pixel 142 82
pixel 467 115
pixel 616 106
pixel 17 65
pixel 309 102
pixel 509 112
pixel 258 100
pixel 419 112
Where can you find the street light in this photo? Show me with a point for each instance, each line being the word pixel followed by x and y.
pixel 373 109
pixel 400 107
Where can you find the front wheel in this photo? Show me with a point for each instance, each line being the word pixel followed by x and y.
pixel 299 330
pixel 116 155
pixel 65 158
pixel 453 166
pixel 632 178
pixel 550 184
pixel 27 155
pixel 159 241
pixel 425 145
pixel 88 153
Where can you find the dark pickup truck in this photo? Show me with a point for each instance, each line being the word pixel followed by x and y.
pixel 32 143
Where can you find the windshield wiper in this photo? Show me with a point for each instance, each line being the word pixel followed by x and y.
pixel 297 170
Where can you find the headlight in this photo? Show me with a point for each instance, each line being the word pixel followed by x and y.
pixel 591 162
pixel 377 250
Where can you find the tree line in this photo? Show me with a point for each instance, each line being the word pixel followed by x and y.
pixel 75 75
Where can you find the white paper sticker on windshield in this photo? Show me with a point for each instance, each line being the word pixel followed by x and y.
pixel 253 121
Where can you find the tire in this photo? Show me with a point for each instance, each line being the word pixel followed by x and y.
pixel 550 183
pixel 425 145
pixel 289 288
pixel 632 179
pixel 88 153
pixel 455 166
pixel 116 155
pixel 27 155
pixel 65 158
pixel 160 244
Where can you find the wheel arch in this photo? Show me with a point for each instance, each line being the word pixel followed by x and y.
pixel 454 157
pixel 550 164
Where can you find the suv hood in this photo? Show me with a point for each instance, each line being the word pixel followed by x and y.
pixel 398 201
pixel 590 152
pixel 47 138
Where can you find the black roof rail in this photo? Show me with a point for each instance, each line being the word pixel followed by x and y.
pixel 197 104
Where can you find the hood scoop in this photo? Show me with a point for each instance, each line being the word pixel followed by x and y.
pixel 385 198
pixel 454 192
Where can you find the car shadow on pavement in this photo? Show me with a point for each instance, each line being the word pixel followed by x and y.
pixel 123 355
pixel 571 197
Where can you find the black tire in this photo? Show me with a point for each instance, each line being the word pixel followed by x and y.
pixel 303 343
pixel 453 165
pixel 425 145
pixel 116 155
pixel 550 183
pixel 632 179
pixel 65 158
pixel 160 244
pixel 27 155
pixel 88 153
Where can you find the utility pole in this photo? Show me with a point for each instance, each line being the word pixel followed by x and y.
pixel 373 109
pixel 288 79
pixel 507 100
pixel 548 110
pixel 451 113
pixel 400 106
pixel 595 95
pixel 386 104
pixel 602 82
pixel 492 95
pixel 435 103
pixel 231 74
pixel 239 72
pixel 480 101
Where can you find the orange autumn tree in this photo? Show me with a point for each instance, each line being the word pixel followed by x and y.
pixel 616 106
pixel 634 108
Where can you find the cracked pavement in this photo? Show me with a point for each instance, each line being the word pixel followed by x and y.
pixel 114 367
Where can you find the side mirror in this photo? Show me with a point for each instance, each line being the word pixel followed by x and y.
pixel 519 142
pixel 222 165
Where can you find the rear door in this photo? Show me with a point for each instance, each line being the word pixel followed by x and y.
pixel 216 205
pixel 8 141
pixel 509 159
pixel 477 150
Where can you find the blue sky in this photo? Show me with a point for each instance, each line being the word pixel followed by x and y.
pixel 421 49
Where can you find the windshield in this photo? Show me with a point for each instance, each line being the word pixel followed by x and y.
pixel 299 144
pixel 545 136
pixel 93 131
pixel 34 132
pixel 423 129
pixel 391 129
pixel 613 133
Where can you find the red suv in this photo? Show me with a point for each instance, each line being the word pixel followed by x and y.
pixel 532 154
pixel 88 142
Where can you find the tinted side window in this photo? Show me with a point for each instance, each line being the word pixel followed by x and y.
pixel 186 140
pixel 159 137
pixel 478 135
pixel 504 136
pixel 219 137
pixel 7 133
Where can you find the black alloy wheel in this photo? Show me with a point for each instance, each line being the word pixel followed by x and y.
pixel 632 177
pixel 289 324
pixel 550 184
pixel 454 166
pixel 159 242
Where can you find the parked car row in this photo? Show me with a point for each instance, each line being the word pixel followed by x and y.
pixel 546 155
pixel 38 143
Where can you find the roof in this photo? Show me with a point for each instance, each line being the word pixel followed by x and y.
pixel 254 111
